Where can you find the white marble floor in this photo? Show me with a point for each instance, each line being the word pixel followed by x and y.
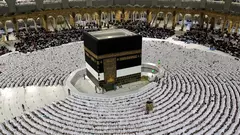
pixel 86 86
pixel 11 99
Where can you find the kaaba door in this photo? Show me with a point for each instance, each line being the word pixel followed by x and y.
pixel 109 66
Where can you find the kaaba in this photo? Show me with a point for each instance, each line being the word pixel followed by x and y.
pixel 113 57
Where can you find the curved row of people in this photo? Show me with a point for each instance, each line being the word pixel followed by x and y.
pixel 37 40
pixel 41 68
pixel 215 39
pixel 199 94
pixel 143 28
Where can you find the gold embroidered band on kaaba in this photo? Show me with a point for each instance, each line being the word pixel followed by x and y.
pixel 98 57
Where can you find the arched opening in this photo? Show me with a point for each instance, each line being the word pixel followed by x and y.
pixel 9 30
pixel 179 21
pixel 196 20
pixel 31 24
pixel 236 28
pixel 104 19
pixel 60 23
pixel 126 16
pixel 51 23
pixel 119 16
pixel 87 17
pixel 39 23
pixel 112 17
pixel 136 16
pixel 229 26
pixel 143 16
pixel 206 22
pixel 168 20
pixel 218 23
pixel 78 20
pixel 130 16
pixel 95 18
pixel 187 22
pixel 21 25
pixel 160 20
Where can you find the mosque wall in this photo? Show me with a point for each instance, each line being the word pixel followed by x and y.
pixel 166 3
pixel 215 6
pixel 123 2
pixel 25 8
pixel 235 7
pixel 100 3
pixel 77 4
pixel 191 4
pixel 144 2
pixel 52 6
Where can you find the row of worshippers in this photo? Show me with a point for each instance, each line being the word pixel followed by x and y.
pixel 215 39
pixel 144 28
pixel 37 40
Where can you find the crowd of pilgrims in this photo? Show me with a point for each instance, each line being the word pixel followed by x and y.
pixel 143 28
pixel 33 40
pixel 3 50
pixel 215 39
pixel 198 94
pixel 37 40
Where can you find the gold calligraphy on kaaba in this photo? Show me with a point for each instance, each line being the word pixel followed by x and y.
pixel 105 56
pixel 128 57
pixel 92 58
pixel 110 68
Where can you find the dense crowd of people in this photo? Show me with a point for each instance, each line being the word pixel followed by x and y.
pixel 33 40
pixel 3 50
pixel 198 94
pixel 36 40
pixel 143 28
pixel 215 39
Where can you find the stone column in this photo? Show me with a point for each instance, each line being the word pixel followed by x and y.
pixel 183 19
pixel 149 17
pixel 208 21
pixel 174 20
pixel 44 22
pixel 5 27
pixel 25 23
pixel 230 25
pixel 165 21
pixel 201 22
pixel 72 19
pixel 99 19
pixel 126 16
pixel 212 22
pixel 15 23
pixel 224 24
pixel 35 25
pixel 237 27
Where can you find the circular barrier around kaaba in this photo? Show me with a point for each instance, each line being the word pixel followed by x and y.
pixel 150 70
